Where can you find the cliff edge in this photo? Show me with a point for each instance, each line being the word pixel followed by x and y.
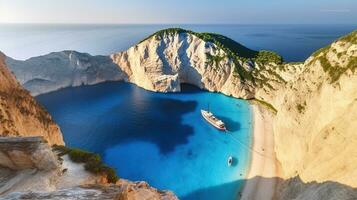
pixel 58 70
pixel 20 114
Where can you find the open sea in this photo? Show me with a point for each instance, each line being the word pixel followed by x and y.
pixel 293 42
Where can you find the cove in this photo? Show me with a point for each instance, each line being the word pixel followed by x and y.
pixel 159 138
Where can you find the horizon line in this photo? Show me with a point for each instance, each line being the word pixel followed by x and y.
pixel 85 23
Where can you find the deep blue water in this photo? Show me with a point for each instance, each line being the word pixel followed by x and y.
pixel 159 138
pixel 293 42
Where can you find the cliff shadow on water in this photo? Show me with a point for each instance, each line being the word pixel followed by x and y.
pixel 188 88
pixel 144 111
pixel 287 189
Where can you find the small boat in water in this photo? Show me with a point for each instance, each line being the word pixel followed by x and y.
pixel 214 121
pixel 230 161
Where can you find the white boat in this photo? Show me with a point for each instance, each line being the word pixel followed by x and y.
pixel 230 161
pixel 214 121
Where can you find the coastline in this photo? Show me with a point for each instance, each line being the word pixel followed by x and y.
pixel 264 170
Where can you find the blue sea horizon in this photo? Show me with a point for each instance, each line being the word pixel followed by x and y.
pixel 294 42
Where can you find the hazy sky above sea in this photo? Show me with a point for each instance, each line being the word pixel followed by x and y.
pixel 180 11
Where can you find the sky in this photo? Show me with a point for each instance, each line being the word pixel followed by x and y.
pixel 179 11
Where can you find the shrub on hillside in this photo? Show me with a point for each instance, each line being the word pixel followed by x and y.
pixel 92 162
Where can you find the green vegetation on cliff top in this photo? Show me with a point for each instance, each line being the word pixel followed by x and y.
pixel 240 54
pixel 233 50
pixel 335 71
pixel 352 37
pixel 265 104
pixel 92 162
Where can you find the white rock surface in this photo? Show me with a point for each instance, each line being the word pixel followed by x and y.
pixel 123 190
pixel 315 127
pixel 27 163
pixel 162 65
pixel 63 69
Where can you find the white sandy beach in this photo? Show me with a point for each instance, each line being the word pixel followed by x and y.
pixel 264 168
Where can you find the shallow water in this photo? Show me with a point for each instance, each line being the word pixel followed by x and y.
pixel 159 138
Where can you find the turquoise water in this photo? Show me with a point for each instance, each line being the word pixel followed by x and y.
pixel 159 138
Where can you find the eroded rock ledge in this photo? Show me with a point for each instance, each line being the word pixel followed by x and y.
pixel 26 153
pixel 123 190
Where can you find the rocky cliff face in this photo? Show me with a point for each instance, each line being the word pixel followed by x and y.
pixel 20 114
pixel 27 163
pixel 209 61
pixel 162 64
pixel 63 69
pixel 123 190
pixel 315 127
pixel 26 153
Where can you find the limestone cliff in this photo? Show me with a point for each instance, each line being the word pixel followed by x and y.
pixel 315 127
pixel 20 114
pixel 63 69
pixel 209 61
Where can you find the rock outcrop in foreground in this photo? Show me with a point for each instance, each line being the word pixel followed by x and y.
pixel 20 114
pixel 123 190
pixel 30 169
pixel 27 163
